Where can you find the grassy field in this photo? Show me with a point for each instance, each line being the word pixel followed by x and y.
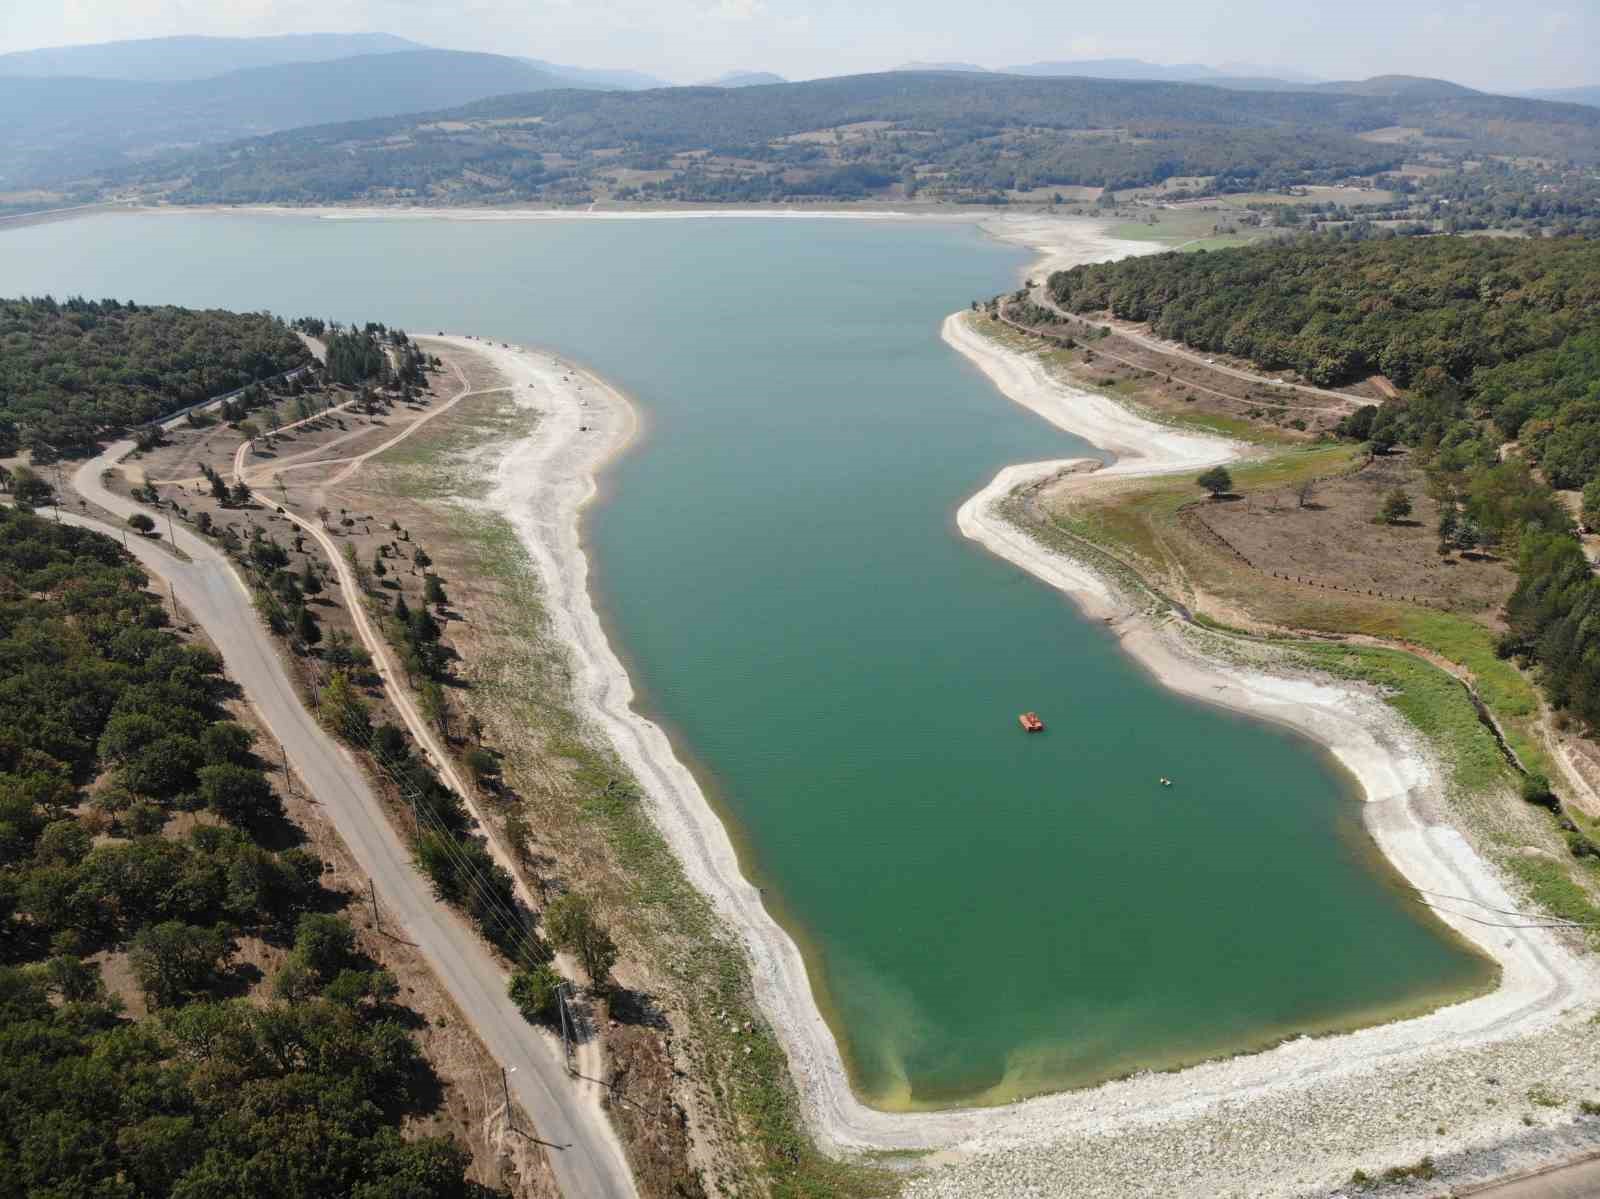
pixel 1184 228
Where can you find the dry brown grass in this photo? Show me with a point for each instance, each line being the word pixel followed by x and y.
pixel 1332 540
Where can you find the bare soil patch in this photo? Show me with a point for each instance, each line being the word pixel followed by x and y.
pixel 1331 540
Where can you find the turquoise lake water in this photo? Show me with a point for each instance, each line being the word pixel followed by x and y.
pixel 986 914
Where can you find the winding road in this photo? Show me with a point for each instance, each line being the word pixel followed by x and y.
pixel 585 1154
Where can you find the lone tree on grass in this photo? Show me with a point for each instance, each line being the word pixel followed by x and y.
pixel 1217 481
pixel 1396 507
pixel 140 523
pixel 573 926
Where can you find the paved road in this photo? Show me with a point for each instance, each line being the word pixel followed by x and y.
pixel 584 1152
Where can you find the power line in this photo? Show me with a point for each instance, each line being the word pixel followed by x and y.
pixel 507 919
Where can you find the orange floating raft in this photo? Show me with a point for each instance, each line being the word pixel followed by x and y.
pixel 1031 722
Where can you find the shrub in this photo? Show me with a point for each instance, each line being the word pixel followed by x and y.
pixel 1396 507
pixel 1536 790
pixel 1217 481
pixel 140 523
pixel 536 993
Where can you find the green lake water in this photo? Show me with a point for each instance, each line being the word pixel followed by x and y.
pixel 986 914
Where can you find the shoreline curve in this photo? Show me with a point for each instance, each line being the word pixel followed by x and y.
pixel 541 485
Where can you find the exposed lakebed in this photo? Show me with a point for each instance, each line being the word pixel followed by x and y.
pixel 986 914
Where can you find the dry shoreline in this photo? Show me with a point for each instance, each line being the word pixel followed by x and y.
pixel 542 483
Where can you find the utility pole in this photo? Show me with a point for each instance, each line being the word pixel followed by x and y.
pixel 173 595
pixel 566 1037
pixel 172 539
pixel 288 779
pixel 372 889
pixel 505 1087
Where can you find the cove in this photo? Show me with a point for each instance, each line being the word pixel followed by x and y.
pixel 986 915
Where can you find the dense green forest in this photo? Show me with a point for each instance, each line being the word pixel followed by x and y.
pixel 953 135
pixel 109 729
pixel 1338 310
pixel 1493 340
pixel 72 370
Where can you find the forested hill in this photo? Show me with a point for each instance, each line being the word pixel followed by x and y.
pixel 73 370
pixel 1341 310
pixel 951 134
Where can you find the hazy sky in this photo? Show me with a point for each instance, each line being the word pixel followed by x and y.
pixel 1488 44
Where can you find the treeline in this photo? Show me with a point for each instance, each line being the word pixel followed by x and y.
pixel 72 370
pixel 1339 310
pixel 1494 341
pixel 110 728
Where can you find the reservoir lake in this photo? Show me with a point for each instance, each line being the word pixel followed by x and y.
pixel 985 914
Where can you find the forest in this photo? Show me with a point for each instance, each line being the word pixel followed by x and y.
pixel 1339 310
pixel 137 827
pixel 73 370
pixel 1495 341
pixel 949 135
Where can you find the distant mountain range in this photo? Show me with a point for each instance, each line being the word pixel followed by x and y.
pixel 60 128
pixel 1134 69
pixel 78 112
pixel 964 136
pixel 1566 95
pixel 627 81
pixel 170 59
pixel 744 79
pixel 174 59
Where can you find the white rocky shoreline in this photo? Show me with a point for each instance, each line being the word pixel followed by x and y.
pixel 1291 1121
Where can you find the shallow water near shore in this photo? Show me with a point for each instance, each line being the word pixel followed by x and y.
pixel 986 914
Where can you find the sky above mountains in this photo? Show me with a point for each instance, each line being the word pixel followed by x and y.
pixel 1538 43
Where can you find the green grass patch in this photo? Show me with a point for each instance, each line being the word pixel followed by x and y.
pixel 1434 702
pixel 1551 886
pixel 432 463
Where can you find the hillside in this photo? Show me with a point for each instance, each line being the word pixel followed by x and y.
pixel 1414 87
pixel 1338 311
pixel 169 59
pixel 601 78
pixel 939 134
pixel 63 128
pixel 1567 95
